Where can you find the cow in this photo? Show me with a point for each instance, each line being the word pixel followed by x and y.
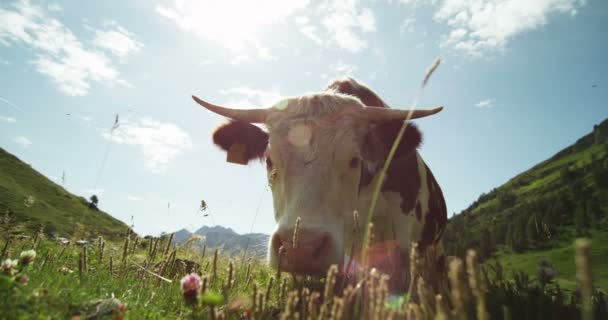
pixel 323 153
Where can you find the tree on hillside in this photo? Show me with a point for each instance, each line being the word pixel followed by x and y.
pixel 94 202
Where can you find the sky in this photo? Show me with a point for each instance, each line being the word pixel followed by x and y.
pixel 520 80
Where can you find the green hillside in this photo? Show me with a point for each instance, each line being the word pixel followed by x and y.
pixel 50 206
pixel 539 213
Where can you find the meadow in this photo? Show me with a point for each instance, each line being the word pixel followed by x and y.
pixel 135 278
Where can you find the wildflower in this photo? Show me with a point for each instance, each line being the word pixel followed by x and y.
pixel 8 267
pixel 66 270
pixel 191 285
pixel 27 257
pixel 23 279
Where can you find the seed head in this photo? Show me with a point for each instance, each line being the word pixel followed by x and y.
pixel 8 267
pixel 27 257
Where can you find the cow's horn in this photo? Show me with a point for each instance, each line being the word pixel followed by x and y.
pixel 372 113
pixel 247 115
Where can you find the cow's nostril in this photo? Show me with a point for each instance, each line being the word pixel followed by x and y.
pixel 323 244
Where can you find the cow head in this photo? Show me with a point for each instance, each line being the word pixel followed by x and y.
pixel 319 149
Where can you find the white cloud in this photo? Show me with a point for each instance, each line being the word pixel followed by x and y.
pixel 7 119
pixel 485 104
pixel 248 97
pixel 308 30
pixel 117 40
pixel 55 7
pixel 343 69
pixel 237 30
pixel 159 142
pixel 4 62
pixel 84 118
pixel 22 141
pixel 60 55
pixel 485 25
pixel 407 25
pixel 205 63
pixel 346 21
pixel 134 198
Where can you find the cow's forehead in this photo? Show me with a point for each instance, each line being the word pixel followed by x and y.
pixel 317 109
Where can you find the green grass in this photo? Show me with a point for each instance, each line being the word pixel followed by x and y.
pixel 52 293
pixel 561 259
pixel 56 209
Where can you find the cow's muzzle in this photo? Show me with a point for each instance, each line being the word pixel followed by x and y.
pixel 309 252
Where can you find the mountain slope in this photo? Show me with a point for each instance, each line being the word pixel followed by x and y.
pixel 226 239
pixel 542 209
pixel 52 207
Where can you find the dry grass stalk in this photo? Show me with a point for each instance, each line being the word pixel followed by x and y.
pixel 283 288
pixel 413 311
pixel 427 305
pixel 168 245
pixel 125 255
pixel 304 298
pixel 46 258
pixel 150 272
pixel 312 306
pixel 254 298
pixel 102 246
pixel 583 275
pixel 204 286
pixel 442 313
pixel 135 243
pixel 337 309
pixel 261 302
pixel 430 71
pixel 413 268
pixel 269 288
pixel 290 307
pixel 476 284
pixel 85 259
pixel 214 270
pixel 330 281
pixel 111 266
pixel 506 314
pixel 281 253
pixel 247 274
pixel 80 265
pixel 457 292
pixel 230 274
pixel 295 233
pixel 7 245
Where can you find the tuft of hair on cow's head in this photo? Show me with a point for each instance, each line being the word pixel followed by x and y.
pixel 247 139
pixel 354 88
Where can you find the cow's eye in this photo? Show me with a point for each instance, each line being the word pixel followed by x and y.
pixel 268 164
pixel 354 162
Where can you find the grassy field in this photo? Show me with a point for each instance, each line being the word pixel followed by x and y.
pixel 144 279
pixel 561 259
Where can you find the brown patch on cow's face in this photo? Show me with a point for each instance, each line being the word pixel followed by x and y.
pixel 252 139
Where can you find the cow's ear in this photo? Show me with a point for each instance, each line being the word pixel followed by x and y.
pixel 380 137
pixel 241 140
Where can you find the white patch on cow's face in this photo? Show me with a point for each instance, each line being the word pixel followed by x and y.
pixel 314 168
